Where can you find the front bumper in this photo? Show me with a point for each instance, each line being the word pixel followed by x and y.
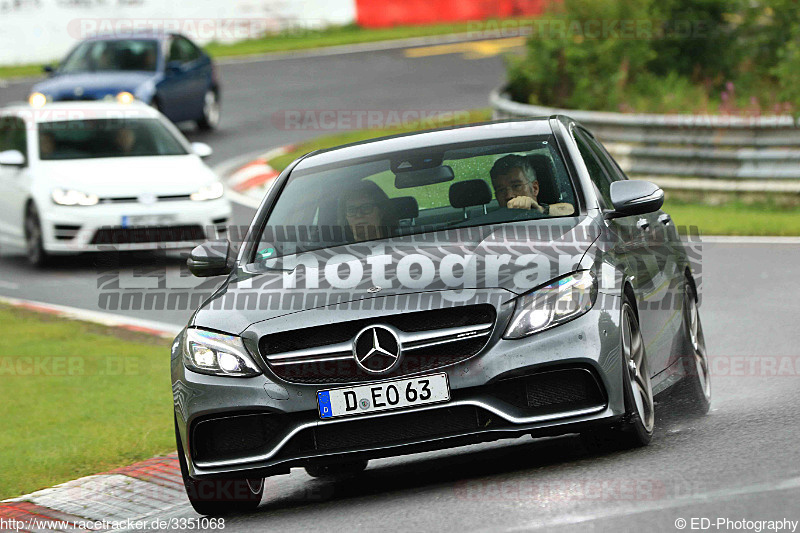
pixel 589 343
pixel 67 230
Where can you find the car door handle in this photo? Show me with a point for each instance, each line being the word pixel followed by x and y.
pixel 643 224
pixel 665 219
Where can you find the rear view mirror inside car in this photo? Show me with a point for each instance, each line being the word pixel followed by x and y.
pixel 423 176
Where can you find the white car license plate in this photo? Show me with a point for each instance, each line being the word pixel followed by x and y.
pixel 133 221
pixel 383 396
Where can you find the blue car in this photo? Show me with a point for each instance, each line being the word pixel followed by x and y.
pixel 167 71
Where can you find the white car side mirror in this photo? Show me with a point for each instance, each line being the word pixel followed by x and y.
pixel 13 158
pixel 202 149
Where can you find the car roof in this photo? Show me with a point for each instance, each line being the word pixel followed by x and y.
pixel 143 34
pixel 78 110
pixel 487 131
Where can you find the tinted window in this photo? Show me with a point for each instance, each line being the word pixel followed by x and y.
pixel 613 171
pixel 183 50
pixel 596 172
pixel 13 135
pixel 122 55
pixel 364 199
pixel 85 139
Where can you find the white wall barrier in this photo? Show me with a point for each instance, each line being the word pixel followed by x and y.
pixel 44 30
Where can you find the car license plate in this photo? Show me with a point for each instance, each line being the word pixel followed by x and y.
pixel 147 220
pixel 375 397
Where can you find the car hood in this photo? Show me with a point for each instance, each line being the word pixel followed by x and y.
pixel 92 85
pixel 505 259
pixel 110 177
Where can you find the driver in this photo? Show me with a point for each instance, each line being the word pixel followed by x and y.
pixel 367 212
pixel 516 187
pixel 125 140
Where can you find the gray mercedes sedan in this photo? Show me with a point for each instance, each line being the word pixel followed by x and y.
pixel 431 290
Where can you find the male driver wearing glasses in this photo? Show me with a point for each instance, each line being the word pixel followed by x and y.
pixel 516 187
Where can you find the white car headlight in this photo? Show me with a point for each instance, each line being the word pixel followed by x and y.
pixel 71 197
pixel 216 354
pixel 560 301
pixel 209 192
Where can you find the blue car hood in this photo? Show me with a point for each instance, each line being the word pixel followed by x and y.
pixel 92 84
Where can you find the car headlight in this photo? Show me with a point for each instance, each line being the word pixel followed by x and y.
pixel 71 197
pixel 38 99
pixel 560 301
pixel 209 192
pixel 212 353
pixel 125 97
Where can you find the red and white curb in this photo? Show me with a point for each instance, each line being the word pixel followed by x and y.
pixel 248 183
pixel 150 327
pixel 114 500
pixel 149 488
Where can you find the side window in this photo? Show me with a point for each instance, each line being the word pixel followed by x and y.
pixel 596 172
pixel 612 168
pixel 12 135
pixel 20 137
pixel 181 49
pixel 5 133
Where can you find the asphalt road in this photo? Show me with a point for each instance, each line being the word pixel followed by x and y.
pixel 742 461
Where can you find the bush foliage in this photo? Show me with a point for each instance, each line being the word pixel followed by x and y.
pixel 665 56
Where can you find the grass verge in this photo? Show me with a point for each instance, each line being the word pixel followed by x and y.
pixel 736 218
pixel 731 218
pixel 303 39
pixel 78 399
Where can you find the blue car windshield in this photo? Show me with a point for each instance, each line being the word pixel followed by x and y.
pixel 112 56
pixel 87 139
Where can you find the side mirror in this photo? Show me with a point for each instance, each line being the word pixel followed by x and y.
pixel 12 158
pixel 173 67
pixel 634 197
pixel 202 149
pixel 212 258
pixel 49 69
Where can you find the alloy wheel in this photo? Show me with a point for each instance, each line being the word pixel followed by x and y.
pixel 638 371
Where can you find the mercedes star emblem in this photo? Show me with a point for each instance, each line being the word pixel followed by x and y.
pixel 377 349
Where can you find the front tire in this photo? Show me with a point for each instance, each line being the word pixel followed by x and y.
pixel 211 111
pixel 34 244
pixel 695 388
pixel 215 497
pixel 638 422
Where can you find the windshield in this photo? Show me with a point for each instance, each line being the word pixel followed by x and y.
pixel 402 194
pixel 85 139
pixel 104 56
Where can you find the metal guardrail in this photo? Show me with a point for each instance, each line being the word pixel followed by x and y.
pixel 710 147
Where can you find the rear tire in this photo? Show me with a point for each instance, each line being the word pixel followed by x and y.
pixel 34 245
pixel 215 497
pixel 638 422
pixel 695 388
pixel 338 470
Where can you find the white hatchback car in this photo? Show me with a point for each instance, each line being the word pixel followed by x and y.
pixel 101 176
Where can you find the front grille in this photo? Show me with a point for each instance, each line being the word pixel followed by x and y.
pixel 552 391
pixel 236 436
pixel 243 436
pixel 149 234
pixel 387 430
pixel 323 354
pixel 75 98
pixel 396 429
pixel 135 199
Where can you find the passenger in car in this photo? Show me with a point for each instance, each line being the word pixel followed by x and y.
pixel 367 212
pixel 516 187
